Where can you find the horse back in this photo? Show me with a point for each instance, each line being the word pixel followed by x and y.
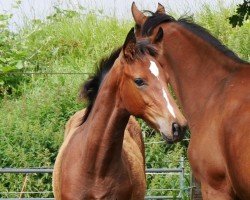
pixel 74 122
pixel 70 128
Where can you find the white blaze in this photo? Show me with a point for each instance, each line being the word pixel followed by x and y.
pixel 154 69
pixel 169 106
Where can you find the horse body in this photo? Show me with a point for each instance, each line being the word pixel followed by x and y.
pixel 236 122
pixel 212 86
pixel 132 155
pixel 219 145
pixel 216 102
pixel 101 159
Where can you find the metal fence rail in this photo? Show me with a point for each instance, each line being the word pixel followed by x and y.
pixel 25 170
pixel 27 198
pixel 150 171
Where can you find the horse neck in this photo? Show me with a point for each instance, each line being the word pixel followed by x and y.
pixel 197 68
pixel 105 128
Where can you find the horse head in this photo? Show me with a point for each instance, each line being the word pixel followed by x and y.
pixel 144 89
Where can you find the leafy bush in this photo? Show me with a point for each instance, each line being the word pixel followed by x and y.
pixel 12 54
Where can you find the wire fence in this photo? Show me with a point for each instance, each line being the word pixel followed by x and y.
pixel 182 190
pixel 46 73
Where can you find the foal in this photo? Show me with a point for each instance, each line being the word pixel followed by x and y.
pixel 91 163
pixel 213 86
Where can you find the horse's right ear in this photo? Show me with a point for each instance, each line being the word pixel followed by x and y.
pixel 129 46
pixel 159 36
pixel 160 9
pixel 138 16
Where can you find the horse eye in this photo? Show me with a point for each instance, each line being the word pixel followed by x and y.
pixel 139 82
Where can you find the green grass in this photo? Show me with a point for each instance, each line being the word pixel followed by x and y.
pixel 34 112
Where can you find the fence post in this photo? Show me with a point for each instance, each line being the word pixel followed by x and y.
pixel 196 189
pixel 182 178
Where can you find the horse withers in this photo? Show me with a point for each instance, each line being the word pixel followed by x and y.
pixel 212 85
pixel 96 161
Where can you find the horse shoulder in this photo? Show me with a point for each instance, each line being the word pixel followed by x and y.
pixel 237 149
pixel 236 131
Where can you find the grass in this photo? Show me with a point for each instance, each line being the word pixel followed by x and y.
pixel 34 113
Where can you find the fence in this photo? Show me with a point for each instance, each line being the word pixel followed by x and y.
pixel 153 171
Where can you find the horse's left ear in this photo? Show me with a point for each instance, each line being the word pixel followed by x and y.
pixel 129 45
pixel 138 16
pixel 159 36
pixel 160 9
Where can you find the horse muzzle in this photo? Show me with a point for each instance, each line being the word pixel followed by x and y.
pixel 177 133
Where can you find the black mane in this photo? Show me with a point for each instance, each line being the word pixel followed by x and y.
pixel 187 22
pixel 91 87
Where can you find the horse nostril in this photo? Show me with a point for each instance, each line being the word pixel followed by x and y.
pixel 176 129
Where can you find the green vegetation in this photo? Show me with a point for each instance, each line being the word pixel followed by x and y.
pixel 35 107
pixel 237 39
pixel 242 13
pixel 12 55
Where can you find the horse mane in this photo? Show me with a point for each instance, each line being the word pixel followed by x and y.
pixel 187 22
pixel 91 87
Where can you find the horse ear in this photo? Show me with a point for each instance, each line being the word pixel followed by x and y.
pixel 138 16
pixel 160 9
pixel 159 36
pixel 129 45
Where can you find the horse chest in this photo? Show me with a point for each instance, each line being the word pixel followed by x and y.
pixel 111 188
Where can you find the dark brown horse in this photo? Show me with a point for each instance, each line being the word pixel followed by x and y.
pixel 212 85
pixel 93 162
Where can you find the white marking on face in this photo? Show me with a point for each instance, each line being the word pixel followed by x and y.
pixel 154 69
pixel 169 106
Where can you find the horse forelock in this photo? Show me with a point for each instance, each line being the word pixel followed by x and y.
pixel 144 47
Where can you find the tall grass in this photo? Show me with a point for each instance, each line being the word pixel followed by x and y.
pixel 34 114
pixel 32 124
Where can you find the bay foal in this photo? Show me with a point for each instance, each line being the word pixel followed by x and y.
pixel 91 163
pixel 212 85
